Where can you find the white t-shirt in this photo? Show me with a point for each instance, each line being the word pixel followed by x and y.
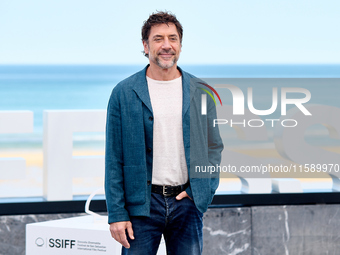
pixel 169 164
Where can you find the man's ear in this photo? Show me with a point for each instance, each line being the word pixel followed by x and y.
pixel 146 47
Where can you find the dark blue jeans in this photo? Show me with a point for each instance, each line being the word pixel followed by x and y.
pixel 179 221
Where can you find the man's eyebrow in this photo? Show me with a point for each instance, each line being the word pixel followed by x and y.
pixel 173 35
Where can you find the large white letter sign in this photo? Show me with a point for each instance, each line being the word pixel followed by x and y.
pixel 59 164
pixel 14 122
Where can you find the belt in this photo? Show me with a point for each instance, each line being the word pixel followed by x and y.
pixel 169 191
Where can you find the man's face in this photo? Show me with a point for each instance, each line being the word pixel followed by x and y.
pixel 164 45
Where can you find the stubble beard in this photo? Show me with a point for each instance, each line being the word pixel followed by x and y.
pixel 166 66
pixel 159 63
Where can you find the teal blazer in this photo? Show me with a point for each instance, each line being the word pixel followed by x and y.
pixel 129 142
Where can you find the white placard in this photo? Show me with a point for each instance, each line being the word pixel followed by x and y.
pixel 73 236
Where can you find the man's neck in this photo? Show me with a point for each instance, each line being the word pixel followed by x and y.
pixel 157 73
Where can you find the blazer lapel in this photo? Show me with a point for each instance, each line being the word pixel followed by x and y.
pixel 188 91
pixel 141 89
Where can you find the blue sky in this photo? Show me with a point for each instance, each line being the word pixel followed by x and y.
pixel 215 32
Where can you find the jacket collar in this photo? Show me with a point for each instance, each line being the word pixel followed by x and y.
pixel 141 89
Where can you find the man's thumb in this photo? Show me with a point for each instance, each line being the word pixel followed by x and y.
pixel 180 196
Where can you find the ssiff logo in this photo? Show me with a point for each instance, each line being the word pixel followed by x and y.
pixel 39 242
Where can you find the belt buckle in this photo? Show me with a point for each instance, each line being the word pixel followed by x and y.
pixel 164 192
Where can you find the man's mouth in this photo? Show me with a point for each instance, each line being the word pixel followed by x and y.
pixel 166 55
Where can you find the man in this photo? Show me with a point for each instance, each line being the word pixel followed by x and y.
pixel 149 190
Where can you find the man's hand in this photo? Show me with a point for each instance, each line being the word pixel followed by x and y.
pixel 182 195
pixel 118 232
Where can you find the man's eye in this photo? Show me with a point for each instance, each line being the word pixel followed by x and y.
pixel 157 40
pixel 173 39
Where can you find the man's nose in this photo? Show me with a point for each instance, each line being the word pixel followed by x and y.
pixel 166 44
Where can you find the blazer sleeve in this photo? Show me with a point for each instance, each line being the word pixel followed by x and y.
pixel 215 144
pixel 114 183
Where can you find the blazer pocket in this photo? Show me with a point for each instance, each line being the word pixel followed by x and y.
pixel 135 185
